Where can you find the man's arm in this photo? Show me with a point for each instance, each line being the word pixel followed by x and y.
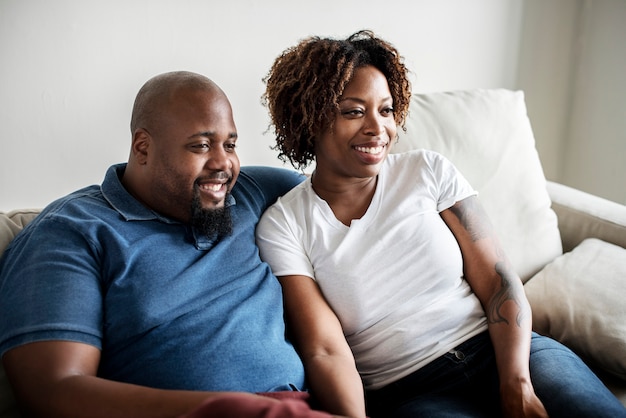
pixel 319 338
pixel 58 379
pixel 500 290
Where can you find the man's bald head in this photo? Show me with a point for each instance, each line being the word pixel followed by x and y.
pixel 154 96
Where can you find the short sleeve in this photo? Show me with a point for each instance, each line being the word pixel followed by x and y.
pixel 52 267
pixel 452 185
pixel 282 234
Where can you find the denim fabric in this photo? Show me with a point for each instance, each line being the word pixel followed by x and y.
pixel 566 386
pixel 464 383
pixel 168 308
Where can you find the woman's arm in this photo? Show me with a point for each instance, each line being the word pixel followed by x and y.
pixel 501 293
pixel 319 338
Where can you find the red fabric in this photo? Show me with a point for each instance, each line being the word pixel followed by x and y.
pixel 288 404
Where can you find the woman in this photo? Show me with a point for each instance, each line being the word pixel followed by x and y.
pixel 395 253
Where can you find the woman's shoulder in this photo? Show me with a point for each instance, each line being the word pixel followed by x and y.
pixel 298 195
pixel 419 153
pixel 417 159
pixel 293 207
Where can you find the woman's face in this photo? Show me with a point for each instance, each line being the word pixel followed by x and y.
pixel 363 128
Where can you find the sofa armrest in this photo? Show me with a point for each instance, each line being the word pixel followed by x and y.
pixel 582 215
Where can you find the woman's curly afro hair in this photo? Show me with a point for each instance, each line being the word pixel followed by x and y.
pixel 305 83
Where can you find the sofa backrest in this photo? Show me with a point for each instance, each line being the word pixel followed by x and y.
pixel 488 136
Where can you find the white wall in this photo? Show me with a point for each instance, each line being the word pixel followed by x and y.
pixel 573 71
pixel 545 75
pixel 595 154
pixel 71 68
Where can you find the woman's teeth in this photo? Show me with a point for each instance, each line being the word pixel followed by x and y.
pixel 370 150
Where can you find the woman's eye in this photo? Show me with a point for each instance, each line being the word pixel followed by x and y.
pixel 387 111
pixel 352 112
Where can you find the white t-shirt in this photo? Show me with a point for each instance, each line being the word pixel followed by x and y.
pixel 393 277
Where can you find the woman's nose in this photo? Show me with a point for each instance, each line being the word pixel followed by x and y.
pixel 374 124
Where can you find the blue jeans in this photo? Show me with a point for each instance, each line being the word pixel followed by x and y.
pixel 464 383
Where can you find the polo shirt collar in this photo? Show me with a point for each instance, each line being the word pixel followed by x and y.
pixel 126 205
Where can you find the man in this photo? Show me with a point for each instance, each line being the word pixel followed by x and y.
pixel 145 296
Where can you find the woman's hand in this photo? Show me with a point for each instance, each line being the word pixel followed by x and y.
pixel 520 401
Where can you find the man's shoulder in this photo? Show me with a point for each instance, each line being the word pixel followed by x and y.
pixel 77 207
pixel 79 200
pixel 263 174
pixel 69 213
pixel 267 183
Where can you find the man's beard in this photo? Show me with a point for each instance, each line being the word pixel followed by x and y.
pixel 214 223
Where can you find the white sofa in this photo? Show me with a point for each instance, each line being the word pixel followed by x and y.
pixel 568 246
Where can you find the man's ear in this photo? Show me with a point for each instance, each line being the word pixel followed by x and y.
pixel 140 145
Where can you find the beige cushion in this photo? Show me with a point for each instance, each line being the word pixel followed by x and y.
pixel 487 135
pixel 10 224
pixel 580 300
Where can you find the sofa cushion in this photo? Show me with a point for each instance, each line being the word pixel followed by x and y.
pixel 487 135
pixel 10 224
pixel 578 299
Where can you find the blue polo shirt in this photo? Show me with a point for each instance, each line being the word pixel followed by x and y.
pixel 167 307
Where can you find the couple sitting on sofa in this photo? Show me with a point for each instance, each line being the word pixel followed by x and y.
pixel 146 296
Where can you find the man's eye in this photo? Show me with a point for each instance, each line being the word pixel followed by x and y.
pixel 230 147
pixel 201 147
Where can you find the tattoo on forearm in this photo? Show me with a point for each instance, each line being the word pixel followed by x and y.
pixel 473 218
pixel 507 292
pixel 475 221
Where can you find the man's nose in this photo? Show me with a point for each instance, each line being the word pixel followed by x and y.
pixel 219 159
